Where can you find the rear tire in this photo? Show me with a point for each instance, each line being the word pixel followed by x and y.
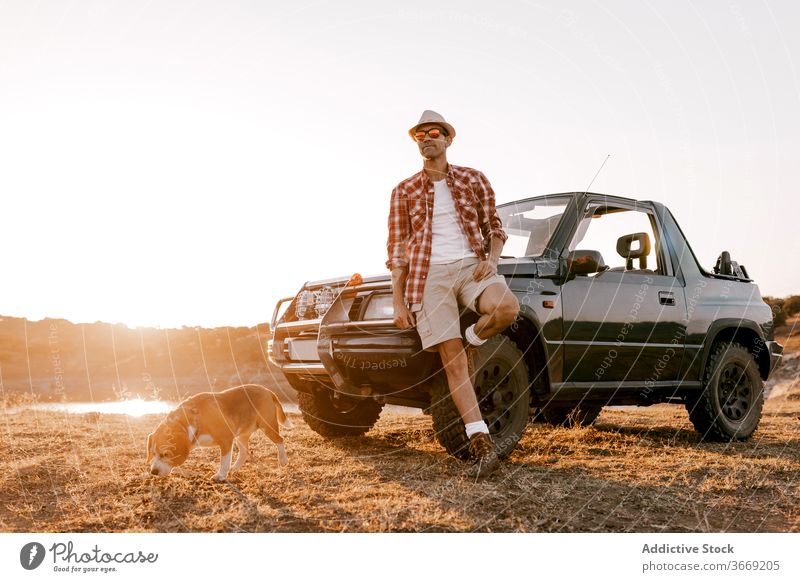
pixel 729 407
pixel 500 380
pixel 342 416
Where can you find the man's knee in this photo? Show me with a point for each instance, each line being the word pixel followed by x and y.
pixel 508 309
pixel 450 349
pixel 453 358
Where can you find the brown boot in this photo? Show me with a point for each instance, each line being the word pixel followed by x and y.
pixel 487 459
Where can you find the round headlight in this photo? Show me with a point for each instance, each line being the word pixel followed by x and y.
pixel 305 300
pixel 324 299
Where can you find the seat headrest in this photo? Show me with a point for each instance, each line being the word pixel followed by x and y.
pixel 624 244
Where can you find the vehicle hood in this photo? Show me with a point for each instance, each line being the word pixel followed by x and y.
pixel 337 281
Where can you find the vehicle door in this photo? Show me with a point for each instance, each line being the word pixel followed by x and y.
pixel 626 321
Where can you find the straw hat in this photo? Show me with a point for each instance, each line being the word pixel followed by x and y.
pixel 429 116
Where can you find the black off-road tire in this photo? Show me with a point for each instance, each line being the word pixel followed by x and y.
pixel 500 379
pixel 729 407
pixel 343 416
pixel 571 416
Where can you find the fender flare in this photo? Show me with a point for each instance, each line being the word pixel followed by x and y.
pixel 526 333
pixel 749 327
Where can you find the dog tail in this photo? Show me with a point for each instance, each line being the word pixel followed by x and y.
pixel 283 420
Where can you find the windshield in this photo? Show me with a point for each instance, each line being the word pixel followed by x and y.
pixel 529 225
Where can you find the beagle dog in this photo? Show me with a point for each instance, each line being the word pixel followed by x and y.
pixel 217 419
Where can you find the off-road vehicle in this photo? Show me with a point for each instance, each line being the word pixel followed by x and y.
pixel 615 310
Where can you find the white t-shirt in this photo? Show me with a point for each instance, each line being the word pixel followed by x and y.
pixel 449 242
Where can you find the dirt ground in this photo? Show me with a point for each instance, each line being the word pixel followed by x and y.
pixel 635 470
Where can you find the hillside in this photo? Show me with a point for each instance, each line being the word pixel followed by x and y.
pixel 55 359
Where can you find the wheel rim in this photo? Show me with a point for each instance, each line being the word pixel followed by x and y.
pixel 343 405
pixel 496 395
pixel 735 392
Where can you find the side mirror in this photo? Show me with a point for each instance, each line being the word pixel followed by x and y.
pixel 585 262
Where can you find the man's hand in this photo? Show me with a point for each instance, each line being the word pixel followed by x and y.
pixel 484 270
pixel 402 316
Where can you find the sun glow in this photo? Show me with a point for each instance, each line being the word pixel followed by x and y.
pixel 135 407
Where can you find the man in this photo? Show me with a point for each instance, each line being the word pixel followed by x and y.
pixel 445 240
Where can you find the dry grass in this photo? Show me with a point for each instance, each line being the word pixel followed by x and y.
pixel 636 470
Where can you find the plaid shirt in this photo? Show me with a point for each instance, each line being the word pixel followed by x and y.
pixel 411 222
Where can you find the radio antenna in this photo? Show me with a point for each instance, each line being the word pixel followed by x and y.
pixel 598 172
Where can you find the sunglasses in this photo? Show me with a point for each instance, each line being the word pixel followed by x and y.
pixel 434 133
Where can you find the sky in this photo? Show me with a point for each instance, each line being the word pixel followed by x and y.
pixel 189 163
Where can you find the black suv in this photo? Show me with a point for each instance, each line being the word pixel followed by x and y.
pixel 615 309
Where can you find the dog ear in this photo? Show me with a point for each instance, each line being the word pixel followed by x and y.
pixel 149 448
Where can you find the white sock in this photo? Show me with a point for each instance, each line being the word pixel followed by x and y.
pixel 472 337
pixel 476 427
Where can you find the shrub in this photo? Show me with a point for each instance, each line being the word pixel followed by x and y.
pixel 778 311
pixel 791 305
